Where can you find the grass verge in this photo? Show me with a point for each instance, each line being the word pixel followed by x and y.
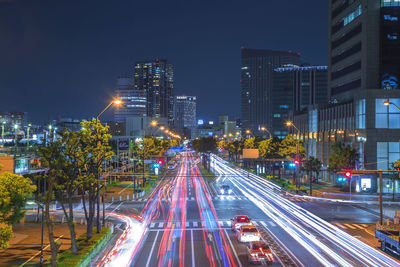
pixel 208 174
pixel 67 259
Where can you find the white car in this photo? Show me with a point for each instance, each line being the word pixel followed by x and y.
pixel 248 233
pixel 240 220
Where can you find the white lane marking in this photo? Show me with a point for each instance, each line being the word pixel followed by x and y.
pixel 191 236
pixel 282 245
pixel 194 224
pixel 152 225
pixel 161 225
pixel 115 208
pixel 233 249
pixel 46 247
pixel 272 223
pixel 152 248
pixel 350 226
pixel 255 223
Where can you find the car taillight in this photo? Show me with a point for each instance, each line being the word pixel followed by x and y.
pixel 242 234
pixel 254 254
pixel 270 257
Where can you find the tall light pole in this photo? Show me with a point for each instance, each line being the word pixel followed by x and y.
pixel 291 124
pixel 387 103
pixel 50 127
pixel 116 102
pixel 152 123
pixel 265 129
pixel 2 131
pixel 27 133
pixel 15 139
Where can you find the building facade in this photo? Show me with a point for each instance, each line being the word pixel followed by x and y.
pixel 363 75
pixel 133 101
pixel 295 88
pixel 184 112
pixel 156 79
pixel 256 85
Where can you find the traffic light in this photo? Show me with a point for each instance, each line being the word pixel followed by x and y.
pixel 347 174
pixel 296 161
pixel 160 161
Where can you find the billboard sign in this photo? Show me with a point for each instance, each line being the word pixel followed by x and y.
pixel 123 144
pixel 250 153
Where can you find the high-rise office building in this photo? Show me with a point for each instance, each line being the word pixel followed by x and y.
pixel 363 75
pixel 184 112
pixel 295 88
pixel 256 83
pixel 156 78
pixel 133 101
pixel 364 41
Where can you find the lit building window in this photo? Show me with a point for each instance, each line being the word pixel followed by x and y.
pixel 387 116
pixel 386 154
pixel 352 16
pixel 360 114
pixel 390 3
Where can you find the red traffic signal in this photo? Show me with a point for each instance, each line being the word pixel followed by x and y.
pixel 160 161
pixel 347 174
pixel 296 161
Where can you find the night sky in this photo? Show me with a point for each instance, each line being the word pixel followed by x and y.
pixel 61 58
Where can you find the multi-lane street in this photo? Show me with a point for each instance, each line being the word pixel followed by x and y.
pixel 186 222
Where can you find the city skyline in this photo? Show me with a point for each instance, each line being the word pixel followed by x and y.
pixel 82 57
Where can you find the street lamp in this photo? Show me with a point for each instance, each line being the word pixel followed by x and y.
pixel 387 103
pixel 41 206
pixel 27 142
pixel 264 129
pixel 115 101
pixel 2 131
pixel 248 132
pixel 15 138
pixel 291 124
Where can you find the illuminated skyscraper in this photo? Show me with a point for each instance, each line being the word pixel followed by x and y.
pixel 156 79
pixel 184 112
pixel 133 101
pixel 256 83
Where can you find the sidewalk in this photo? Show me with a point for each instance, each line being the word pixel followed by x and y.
pixel 25 245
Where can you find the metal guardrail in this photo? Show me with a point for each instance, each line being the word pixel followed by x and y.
pixel 87 260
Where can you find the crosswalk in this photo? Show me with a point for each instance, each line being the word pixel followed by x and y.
pixel 221 198
pixel 200 224
pixel 351 226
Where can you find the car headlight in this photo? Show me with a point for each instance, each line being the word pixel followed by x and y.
pixel 222 191
pixel 230 191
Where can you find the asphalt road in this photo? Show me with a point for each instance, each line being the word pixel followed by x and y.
pixel 188 223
